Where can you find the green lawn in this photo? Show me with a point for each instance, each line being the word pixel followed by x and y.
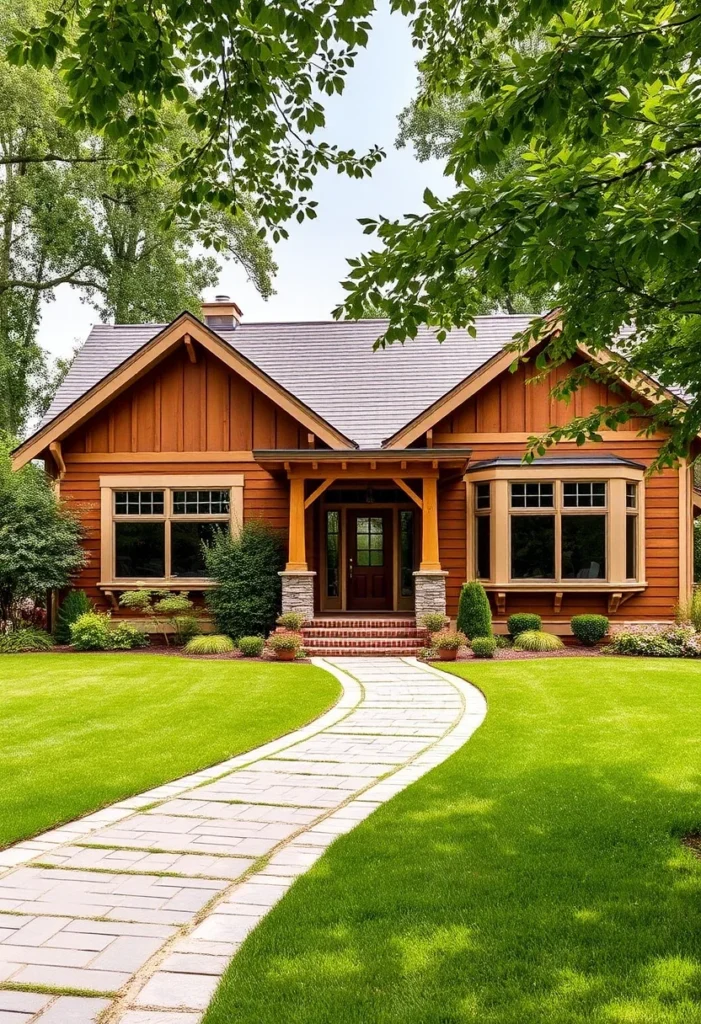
pixel 534 878
pixel 81 731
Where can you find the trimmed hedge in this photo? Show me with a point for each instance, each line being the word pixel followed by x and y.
pixel 589 629
pixel 474 613
pixel 522 622
pixel 484 646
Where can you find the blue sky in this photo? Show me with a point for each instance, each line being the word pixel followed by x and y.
pixel 312 261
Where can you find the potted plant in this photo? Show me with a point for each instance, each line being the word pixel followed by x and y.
pixel 448 642
pixel 285 645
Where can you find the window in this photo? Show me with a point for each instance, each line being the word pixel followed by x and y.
pixel 584 495
pixel 406 551
pixel 632 539
pixel 583 547
pixel 483 497
pixel 159 532
pixel 370 542
pixel 631 496
pixel 535 495
pixel 332 552
pixel 533 547
pixel 483 547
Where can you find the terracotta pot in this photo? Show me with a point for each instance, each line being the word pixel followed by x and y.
pixel 286 654
pixel 447 653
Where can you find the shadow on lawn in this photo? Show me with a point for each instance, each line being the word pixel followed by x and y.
pixel 498 890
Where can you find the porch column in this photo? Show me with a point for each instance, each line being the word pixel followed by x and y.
pixel 297 581
pixel 429 581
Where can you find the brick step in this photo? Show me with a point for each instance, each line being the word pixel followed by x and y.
pixel 363 652
pixel 389 633
pixel 358 623
pixel 313 643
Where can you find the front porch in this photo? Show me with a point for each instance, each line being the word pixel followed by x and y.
pixel 363 529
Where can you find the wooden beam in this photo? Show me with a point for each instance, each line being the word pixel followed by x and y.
pixel 297 556
pixel 429 437
pixel 408 490
pixel 614 601
pixel 55 449
pixel 500 598
pixel 192 354
pixel 308 472
pixel 430 557
pixel 557 602
pixel 319 491
pixel 311 440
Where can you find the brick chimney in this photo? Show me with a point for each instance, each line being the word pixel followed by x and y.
pixel 222 313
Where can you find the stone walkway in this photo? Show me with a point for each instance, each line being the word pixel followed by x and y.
pixel 142 905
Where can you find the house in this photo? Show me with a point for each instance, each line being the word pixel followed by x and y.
pixel 395 475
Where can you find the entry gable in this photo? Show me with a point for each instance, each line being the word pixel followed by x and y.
pixel 188 332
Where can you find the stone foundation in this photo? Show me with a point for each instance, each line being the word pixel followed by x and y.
pixel 429 592
pixel 298 592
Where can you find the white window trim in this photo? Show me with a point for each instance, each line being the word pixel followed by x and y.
pixel 233 482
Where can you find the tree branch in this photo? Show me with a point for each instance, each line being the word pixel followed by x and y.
pixel 48 158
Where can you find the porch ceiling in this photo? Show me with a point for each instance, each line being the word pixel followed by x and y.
pixel 311 463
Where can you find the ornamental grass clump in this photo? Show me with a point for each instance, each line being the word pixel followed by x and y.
pixel 474 613
pixel 537 640
pixel 251 646
pixel 484 646
pixel 210 643
pixel 522 622
pixel 25 640
pixel 589 629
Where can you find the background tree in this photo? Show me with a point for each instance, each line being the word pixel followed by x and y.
pixel 39 539
pixel 68 221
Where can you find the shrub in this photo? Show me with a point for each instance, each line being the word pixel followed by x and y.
pixel 537 640
pixel 209 643
pixel 522 622
pixel 434 622
pixel 657 641
pixel 40 545
pixel 287 641
pixel 247 598
pixel 91 632
pixel 589 629
pixel 163 607
pixel 251 646
pixel 484 646
pixel 690 611
pixel 74 604
pixel 125 636
pixel 474 613
pixel 185 627
pixel 30 638
pixel 291 620
pixel 504 643
pixel 448 640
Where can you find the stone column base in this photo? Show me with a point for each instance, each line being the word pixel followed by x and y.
pixel 429 592
pixel 298 592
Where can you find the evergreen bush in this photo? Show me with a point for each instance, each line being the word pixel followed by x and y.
pixel 589 629
pixel 522 622
pixel 245 568
pixel 474 613
pixel 125 636
pixel 251 646
pixel 74 604
pixel 484 646
pixel 91 632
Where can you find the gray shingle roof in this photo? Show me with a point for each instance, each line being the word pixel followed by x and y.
pixel 330 366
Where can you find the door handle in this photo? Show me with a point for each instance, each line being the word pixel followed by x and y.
pixel 350 568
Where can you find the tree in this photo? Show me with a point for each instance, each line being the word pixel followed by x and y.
pixel 603 207
pixel 67 221
pixel 257 70
pixel 39 539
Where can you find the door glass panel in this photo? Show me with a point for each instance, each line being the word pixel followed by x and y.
pixel 406 529
pixel 332 552
pixel 369 539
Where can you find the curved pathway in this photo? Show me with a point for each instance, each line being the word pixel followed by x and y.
pixel 140 906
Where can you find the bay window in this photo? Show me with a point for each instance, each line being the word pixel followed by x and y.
pixel 156 528
pixel 563 523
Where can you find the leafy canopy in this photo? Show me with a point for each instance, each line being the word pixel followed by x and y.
pixel 257 70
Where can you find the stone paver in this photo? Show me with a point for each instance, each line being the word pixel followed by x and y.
pixel 145 902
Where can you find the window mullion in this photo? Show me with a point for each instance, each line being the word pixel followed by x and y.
pixel 168 510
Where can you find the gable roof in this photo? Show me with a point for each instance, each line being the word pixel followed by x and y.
pixel 330 366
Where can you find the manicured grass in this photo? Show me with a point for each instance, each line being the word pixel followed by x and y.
pixel 534 878
pixel 81 731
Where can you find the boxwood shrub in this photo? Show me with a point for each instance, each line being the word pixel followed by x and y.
pixel 589 629
pixel 522 622
pixel 484 646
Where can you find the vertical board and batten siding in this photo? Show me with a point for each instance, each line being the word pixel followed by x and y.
pixel 511 405
pixel 180 407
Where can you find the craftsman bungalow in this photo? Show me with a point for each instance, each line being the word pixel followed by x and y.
pixel 395 475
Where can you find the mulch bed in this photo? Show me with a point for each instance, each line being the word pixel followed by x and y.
pixel 508 654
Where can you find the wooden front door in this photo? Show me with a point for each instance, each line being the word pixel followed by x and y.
pixel 370 560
